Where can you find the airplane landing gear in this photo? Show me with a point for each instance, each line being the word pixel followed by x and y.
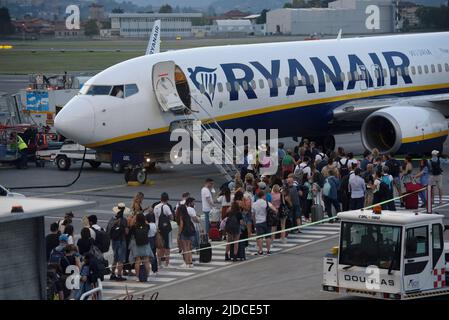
pixel 138 174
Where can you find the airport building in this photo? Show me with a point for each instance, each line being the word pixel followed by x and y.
pixel 352 16
pixel 139 25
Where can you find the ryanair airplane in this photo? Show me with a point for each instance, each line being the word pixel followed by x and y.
pixel 394 89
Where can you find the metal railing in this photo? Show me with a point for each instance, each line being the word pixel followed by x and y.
pixel 98 288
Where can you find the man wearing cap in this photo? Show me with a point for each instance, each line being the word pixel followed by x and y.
pixel 263 187
pixel 58 252
pixel 118 229
pixel 436 173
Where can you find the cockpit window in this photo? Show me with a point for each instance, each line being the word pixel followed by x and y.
pixel 117 91
pixel 130 89
pixel 84 89
pixel 99 90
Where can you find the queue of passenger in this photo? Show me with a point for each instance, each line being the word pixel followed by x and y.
pixel 308 184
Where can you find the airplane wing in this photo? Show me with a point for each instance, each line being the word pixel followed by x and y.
pixel 358 110
pixel 154 43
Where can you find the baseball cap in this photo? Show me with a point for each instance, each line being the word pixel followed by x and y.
pixel 435 152
pixel 63 238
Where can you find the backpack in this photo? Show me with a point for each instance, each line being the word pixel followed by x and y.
pixel 384 191
pixel 56 256
pixel 435 167
pixel 117 230
pixel 327 188
pixel 344 169
pixel 164 222
pixel 95 251
pixel 141 235
pixel 318 178
pixel 299 172
pixel 98 268
pixel 102 240
pixel 385 179
pixel 394 167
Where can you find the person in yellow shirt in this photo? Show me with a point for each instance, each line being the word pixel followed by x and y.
pixel 23 150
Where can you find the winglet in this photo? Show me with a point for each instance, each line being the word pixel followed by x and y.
pixel 339 34
pixel 154 44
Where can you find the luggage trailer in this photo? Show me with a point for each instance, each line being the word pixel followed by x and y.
pixel 395 255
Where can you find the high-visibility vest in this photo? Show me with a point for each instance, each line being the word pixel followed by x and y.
pixel 21 144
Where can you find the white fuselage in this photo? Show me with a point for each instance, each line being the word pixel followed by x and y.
pixel 291 86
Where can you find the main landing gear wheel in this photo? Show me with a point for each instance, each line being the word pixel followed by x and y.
pixel 141 176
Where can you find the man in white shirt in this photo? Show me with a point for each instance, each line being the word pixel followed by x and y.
pixel 163 208
pixel 207 202
pixel 357 187
pixel 259 211
pixel 93 226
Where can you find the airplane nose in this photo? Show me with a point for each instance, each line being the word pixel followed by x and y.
pixel 76 120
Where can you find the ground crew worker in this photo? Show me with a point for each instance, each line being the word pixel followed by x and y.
pixel 23 150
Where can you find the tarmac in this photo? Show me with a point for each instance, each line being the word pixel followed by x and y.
pixel 294 271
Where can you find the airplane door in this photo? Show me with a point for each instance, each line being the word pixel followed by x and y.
pixel 418 271
pixel 164 85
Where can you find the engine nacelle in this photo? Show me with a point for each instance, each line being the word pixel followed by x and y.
pixel 404 129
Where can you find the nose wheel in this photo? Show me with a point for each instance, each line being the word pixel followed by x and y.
pixel 136 174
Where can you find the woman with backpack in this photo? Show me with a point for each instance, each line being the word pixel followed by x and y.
pixel 186 235
pixel 233 229
pixel 140 249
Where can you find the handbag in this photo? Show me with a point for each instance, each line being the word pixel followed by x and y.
pixel 272 218
pixel 159 241
pixel 283 209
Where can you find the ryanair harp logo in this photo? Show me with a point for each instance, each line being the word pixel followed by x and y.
pixel 205 80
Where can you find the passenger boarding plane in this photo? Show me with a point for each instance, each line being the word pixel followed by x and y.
pixel 394 89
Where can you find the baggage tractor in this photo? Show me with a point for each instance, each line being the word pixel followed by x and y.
pixel 205 250
pixel 411 201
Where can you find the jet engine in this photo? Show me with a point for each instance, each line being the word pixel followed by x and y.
pixel 405 130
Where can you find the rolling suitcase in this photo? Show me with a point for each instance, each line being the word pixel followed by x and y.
pixel 317 213
pixel 143 274
pixel 241 254
pixel 214 232
pixel 411 201
pixel 205 250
